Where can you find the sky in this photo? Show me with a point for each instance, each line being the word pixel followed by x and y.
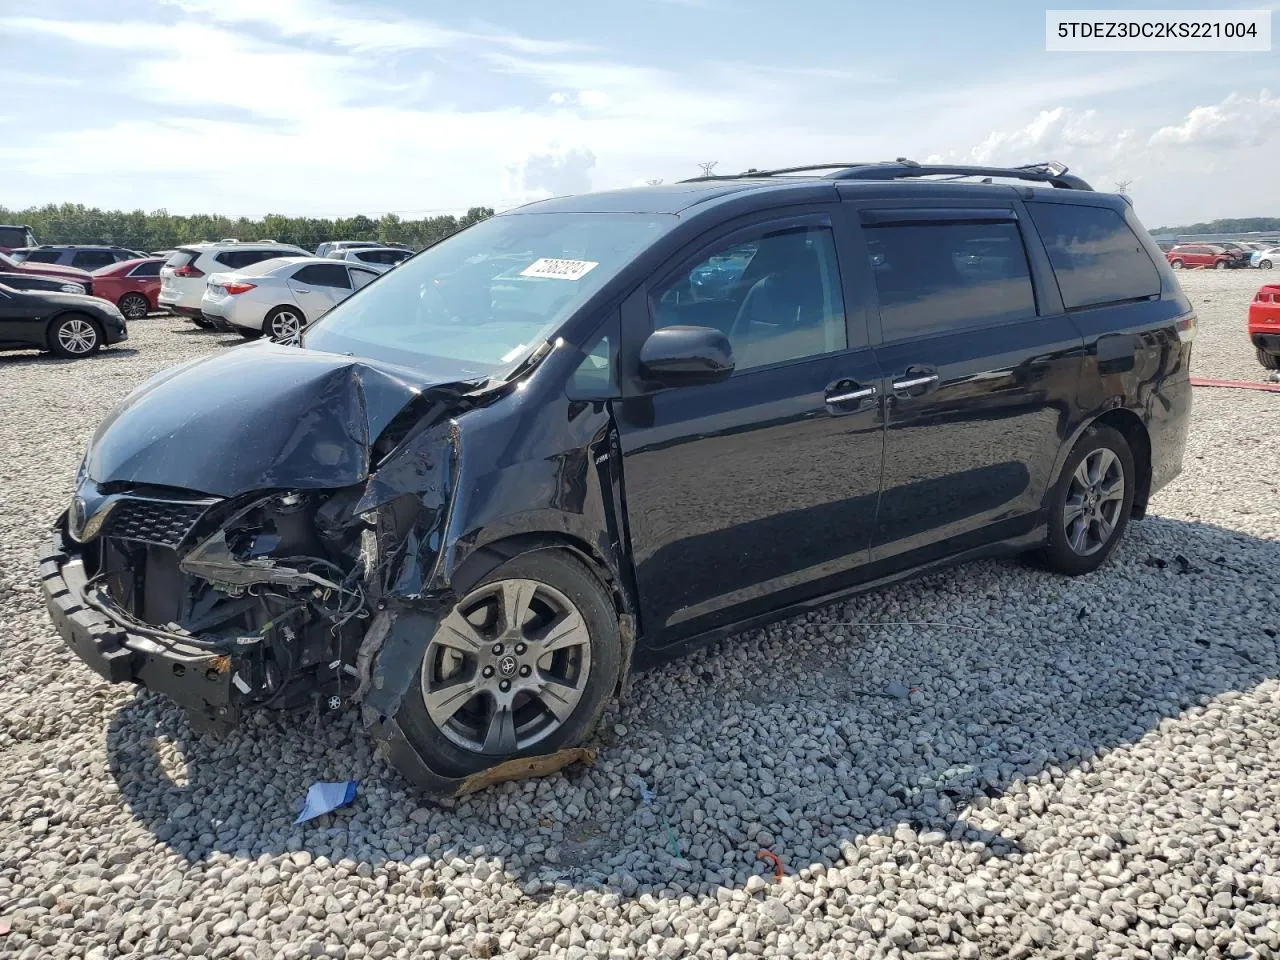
pixel 337 107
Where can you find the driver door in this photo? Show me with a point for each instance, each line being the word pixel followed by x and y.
pixel 746 495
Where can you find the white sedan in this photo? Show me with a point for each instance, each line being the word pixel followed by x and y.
pixel 280 297
pixel 381 259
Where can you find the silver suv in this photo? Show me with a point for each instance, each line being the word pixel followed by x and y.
pixel 185 273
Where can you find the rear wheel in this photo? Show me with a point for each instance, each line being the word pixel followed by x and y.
pixel 74 335
pixel 284 324
pixel 1270 361
pixel 522 666
pixel 134 306
pixel 1264 264
pixel 1176 264
pixel 1091 503
pixel 202 323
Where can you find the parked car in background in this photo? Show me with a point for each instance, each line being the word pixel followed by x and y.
pixel 185 273
pixel 53 270
pixel 422 506
pixel 380 259
pixel 1265 258
pixel 335 248
pixel 68 324
pixel 14 236
pixel 1166 245
pixel 1264 325
pixel 1198 255
pixel 26 281
pixel 280 297
pixel 1238 253
pixel 132 285
pixel 76 255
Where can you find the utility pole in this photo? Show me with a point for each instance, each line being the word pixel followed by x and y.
pixel 654 182
pixel 707 166
pixel 1122 186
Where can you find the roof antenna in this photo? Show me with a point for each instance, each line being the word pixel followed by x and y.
pixel 707 166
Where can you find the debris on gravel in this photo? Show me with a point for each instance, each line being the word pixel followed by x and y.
pixel 986 762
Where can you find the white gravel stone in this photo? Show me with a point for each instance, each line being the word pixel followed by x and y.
pixel 1080 767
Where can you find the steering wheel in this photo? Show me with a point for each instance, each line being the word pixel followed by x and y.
pixel 739 332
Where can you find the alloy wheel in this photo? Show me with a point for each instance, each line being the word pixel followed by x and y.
pixel 77 336
pixel 285 326
pixel 1094 501
pixel 507 667
pixel 134 306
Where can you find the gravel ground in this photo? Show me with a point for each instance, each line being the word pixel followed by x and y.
pixel 990 762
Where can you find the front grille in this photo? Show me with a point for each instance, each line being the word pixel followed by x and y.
pixel 164 523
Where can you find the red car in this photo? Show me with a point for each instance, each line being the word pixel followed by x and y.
pixel 1198 255
pixel 1264 325
pixel 82 277
pixel 132 285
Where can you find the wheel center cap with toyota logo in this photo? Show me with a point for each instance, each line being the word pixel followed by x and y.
pixel 507 666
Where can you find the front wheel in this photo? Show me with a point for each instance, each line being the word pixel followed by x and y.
pixel 75 335
pixel 522 666
pixel 1264 264
pixel 1269 361
pixel 202 323
pixel 1091 503
pixel 1176 264
pixel 1220 265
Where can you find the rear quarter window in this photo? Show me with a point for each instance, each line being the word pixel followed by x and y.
pixel 1096 256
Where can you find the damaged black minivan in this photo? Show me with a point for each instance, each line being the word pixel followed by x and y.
pixel 588 433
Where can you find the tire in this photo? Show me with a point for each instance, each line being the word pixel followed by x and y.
pixel 202 323
pixel 1264 264
pixel 465 734
pixel 1069 550
pixel 1176 264
pixel 134 306
pixel 283 324
pixel 75 335
pixel 1220 265
pixel 1269 361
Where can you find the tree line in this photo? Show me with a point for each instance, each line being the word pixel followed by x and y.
pixel 1228 225
pixel 161 230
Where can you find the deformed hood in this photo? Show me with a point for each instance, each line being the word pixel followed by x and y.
pixel 255 417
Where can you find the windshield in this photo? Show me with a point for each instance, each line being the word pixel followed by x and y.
pixel 477 303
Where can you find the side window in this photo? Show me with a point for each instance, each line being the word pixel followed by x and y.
pixel 594 377
pixel 235 259
pixel 1095 256
pixel 324 275
pixel 940 277
pixel 42 256
pixel 151 269
pixel 93 259
pixel 361 277
pixel 776 297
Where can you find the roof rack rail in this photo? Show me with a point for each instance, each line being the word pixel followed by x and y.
pixel 1050 172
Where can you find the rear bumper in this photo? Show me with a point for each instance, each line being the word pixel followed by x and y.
pixel 1264 326
pixel 200 681
pixel 1270 342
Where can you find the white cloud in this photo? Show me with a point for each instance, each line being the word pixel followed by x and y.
pixel 1238 121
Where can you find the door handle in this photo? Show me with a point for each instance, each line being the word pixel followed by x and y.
pixel 911 383
pixel 848 395
pixel 300 290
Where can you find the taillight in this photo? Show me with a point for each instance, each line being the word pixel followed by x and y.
pixel 188 272
pixel 234 288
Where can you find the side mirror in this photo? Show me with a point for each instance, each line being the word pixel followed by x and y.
pixel 685 356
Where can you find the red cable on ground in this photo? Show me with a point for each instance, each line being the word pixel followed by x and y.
pixel 778 869
pixel 1236 384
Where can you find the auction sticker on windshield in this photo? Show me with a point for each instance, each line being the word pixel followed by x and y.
pixel 559 269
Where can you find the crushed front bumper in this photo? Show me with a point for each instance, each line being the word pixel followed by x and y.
pixel 200 681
